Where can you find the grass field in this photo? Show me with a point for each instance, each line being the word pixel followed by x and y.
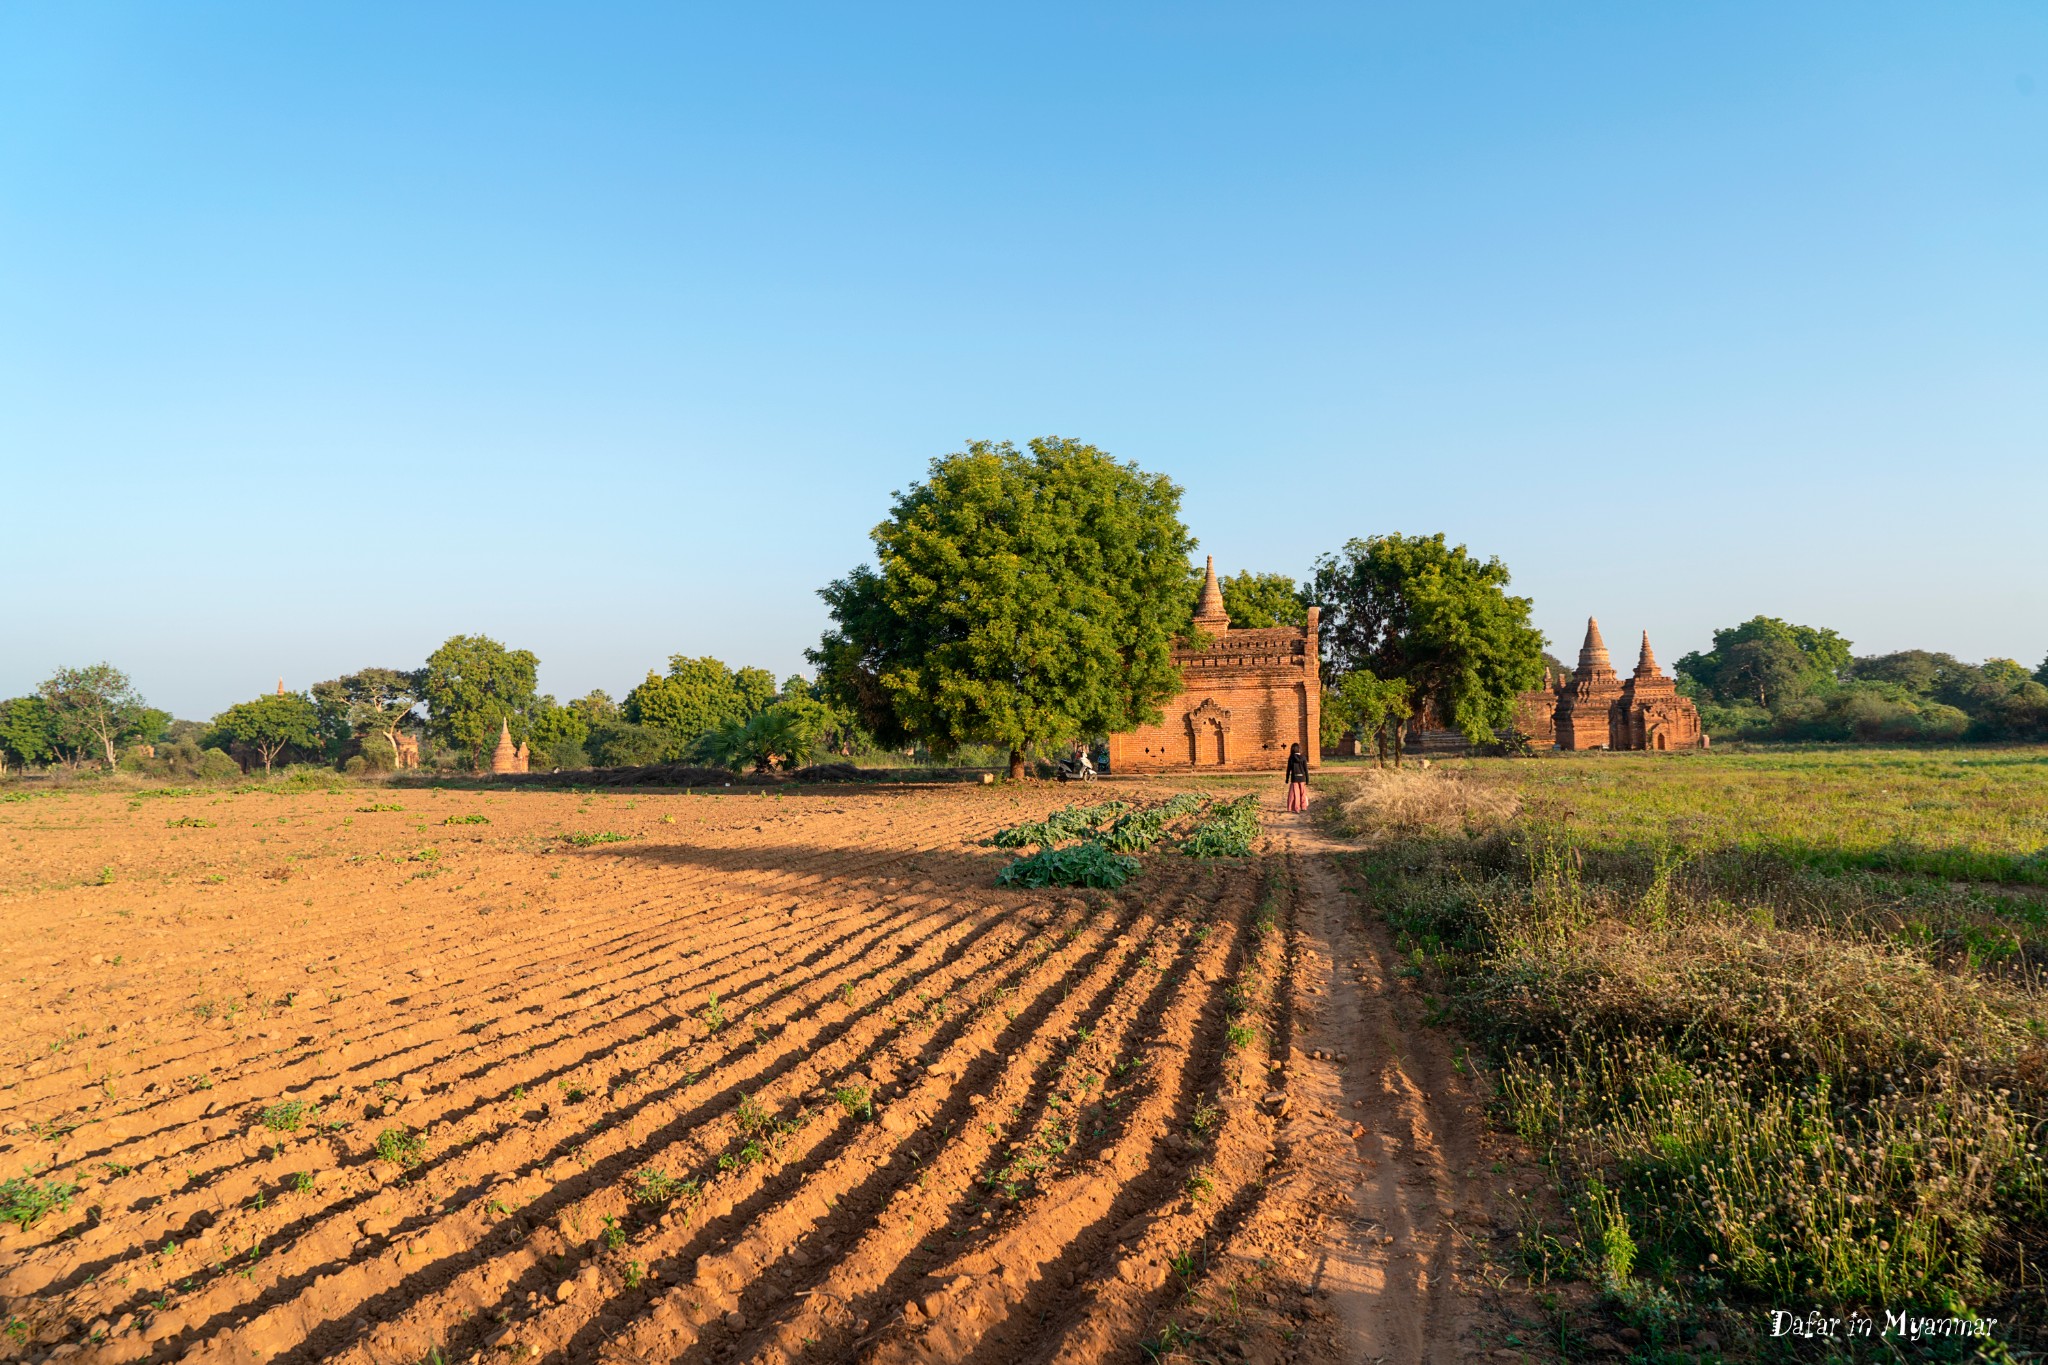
pixel 1775 1017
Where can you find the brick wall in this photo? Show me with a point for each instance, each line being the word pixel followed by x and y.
pixel 1245 698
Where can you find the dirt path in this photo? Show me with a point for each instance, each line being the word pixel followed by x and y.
pixel 1416 1192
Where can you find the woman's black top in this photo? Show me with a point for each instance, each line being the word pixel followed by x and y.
pixel 1297 767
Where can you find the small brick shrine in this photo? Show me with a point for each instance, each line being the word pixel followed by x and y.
pixel 1246 695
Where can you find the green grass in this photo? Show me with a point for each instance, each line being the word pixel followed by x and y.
pixel 467 820
pixel 1775 1019
pixel 1965 814
pixel 603 836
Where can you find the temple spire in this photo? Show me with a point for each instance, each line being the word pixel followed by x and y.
pixel 1593 654
pixel 1646 664
pixel 1209 612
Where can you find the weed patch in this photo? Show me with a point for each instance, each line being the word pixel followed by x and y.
pixel 24 1202
pixel 401 1147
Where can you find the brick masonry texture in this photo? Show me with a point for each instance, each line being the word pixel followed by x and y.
pixel 1246 696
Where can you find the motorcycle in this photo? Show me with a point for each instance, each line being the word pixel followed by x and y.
pixel 1075 769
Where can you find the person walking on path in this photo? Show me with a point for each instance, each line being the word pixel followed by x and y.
pixel 1297 779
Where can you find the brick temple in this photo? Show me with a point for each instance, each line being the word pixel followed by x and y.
pixel 1246 695
pixel 1598 710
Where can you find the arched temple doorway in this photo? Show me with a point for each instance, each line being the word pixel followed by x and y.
pixel 1208 735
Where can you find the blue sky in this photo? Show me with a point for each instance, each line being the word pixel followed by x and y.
pixel 329 331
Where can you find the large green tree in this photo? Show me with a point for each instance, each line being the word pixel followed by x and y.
pixel 95 707
pixel 696 697
pixel 379 701
pixel 557 733
pixel 269 725
pixel 1020 598
pixel 472 685
pixel 1413 609
pixel 26 732
pixel 1767 661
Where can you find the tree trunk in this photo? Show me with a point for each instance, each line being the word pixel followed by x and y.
pixel 1016 765
pixel 107 740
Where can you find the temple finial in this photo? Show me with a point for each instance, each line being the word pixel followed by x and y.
pixel 1209 612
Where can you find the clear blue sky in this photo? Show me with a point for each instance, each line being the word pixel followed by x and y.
pixel 328 331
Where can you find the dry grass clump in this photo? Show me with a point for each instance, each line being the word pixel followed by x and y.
pixel 1798 1003
pixel 1409 802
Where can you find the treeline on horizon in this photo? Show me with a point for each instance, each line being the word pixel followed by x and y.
pixel 454 707
pixel 1021 600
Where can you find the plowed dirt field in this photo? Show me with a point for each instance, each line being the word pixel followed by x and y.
pixel 461 1074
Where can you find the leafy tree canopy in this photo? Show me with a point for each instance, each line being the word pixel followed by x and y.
pixel 269 725
pixel 1020 599
pixel 619 744
pixel 696 697
pixel 1429 614
pixel 27 734
pixel 1767 661
pixel 594 706
pixel 95 707
pixel 556 733
pixel 1370 706
pixel 472 685
pixel 379 701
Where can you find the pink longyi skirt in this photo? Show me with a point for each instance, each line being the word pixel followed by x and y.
pixel 1297 796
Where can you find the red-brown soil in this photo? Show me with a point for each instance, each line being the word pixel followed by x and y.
pixel 1066 1157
